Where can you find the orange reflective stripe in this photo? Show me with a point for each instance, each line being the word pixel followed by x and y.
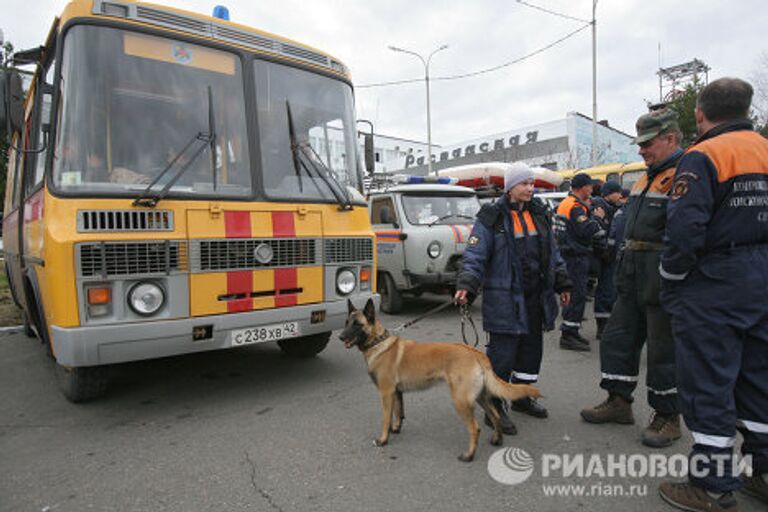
pixel 567 205
pixel 518 226
pixel 736 153
pixel 639 185
pixel 662 182
pixel 530 227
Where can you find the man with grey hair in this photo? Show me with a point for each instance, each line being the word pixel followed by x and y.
pixel 715 271
pixel 637 318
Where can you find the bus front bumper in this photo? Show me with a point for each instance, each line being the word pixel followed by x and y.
pixel 120 343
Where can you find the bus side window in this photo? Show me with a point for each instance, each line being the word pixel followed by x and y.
pixel 22 159
pixel 613 176
pixel 42 115
pixel 629 178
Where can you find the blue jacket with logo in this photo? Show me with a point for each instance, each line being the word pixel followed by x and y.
pixel 492 263
pixel 719 201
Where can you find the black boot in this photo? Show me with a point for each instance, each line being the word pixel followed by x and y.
pixel 601 322
pixel 530 407
pixel 572 341
pixel 507 427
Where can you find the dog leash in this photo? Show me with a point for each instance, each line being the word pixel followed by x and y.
pixel 466 318
pixel 422 317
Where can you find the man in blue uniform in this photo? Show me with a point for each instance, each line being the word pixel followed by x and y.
pixel 605 292
pixel 513 257
pixel 576 230
pixel 715 271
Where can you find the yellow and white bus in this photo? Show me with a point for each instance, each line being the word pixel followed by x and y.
pixel 624 174
pixel 179 183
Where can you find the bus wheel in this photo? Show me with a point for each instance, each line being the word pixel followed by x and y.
pixel 391 298
pixel 83 383
pixel 306 346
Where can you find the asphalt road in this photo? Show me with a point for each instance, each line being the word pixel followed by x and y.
pixel 251 430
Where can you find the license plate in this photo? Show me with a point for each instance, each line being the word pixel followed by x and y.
pixel 265 334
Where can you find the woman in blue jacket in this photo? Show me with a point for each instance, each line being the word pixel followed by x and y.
pixel 512 256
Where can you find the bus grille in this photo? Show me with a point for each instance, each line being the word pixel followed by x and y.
pixel 111 221
pixel 232 255
pixel 212 29
pixel 170 19
pixel 108 259
pixel 347 250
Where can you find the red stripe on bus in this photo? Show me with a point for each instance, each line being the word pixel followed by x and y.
pixel 239 283
pixel 286 279
pixel 282 225
pixel 237 224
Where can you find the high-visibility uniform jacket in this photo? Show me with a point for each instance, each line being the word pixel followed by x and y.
pixel 720 198
pixel 575 228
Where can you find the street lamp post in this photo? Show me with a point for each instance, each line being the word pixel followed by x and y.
pixel 426 81
pixel 594 84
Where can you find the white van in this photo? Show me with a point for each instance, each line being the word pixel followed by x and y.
pixel 421 232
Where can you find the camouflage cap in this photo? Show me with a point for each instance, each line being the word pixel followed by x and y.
pixel 653 123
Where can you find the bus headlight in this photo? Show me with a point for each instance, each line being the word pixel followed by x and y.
pixel 146 299
pixel 434 249
pixel 345 281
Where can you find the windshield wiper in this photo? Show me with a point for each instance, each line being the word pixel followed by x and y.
pixel 448 217
pixel 299 150
pixel 150 200
pixel 212 137
pixel 292 135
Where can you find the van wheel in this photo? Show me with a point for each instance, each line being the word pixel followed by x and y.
pixel 306 346
pixel 391 298
pixel 83 383
pixel 29 332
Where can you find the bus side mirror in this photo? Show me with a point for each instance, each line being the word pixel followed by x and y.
pixel 370 160
pixel 11 103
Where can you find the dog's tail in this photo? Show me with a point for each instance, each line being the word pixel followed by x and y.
pixel 505 390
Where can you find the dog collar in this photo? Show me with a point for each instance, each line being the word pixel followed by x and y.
pixel 378 339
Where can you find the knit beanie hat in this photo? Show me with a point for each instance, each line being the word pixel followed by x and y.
pixel 516 173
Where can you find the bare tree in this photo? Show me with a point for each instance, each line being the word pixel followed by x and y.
pixel 760 101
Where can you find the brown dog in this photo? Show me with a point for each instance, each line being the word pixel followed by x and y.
pixel 396 365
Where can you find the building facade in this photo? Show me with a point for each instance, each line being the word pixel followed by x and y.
pixel 561 144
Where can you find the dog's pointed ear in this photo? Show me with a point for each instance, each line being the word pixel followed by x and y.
pixel 350 307
pixel 370 311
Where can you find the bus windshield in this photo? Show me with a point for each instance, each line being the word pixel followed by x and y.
pixel 307 135
pixel 134 107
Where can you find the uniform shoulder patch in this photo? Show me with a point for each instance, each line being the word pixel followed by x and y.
pixel 473 240
pixel 679 189
pixel 581 218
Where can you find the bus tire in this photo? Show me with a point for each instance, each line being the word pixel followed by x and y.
pixel 306 346
pixel 391 298
pixel 82 383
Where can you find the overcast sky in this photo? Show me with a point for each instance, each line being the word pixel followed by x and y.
pixel 728 36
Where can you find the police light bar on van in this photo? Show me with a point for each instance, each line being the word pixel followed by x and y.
pixel 431 180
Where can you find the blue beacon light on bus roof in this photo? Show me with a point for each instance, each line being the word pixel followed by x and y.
pixel 221 12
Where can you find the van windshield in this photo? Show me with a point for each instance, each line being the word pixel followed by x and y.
pixel 440 209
